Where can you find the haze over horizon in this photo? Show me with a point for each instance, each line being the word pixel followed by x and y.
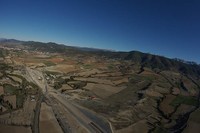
pixel 169 27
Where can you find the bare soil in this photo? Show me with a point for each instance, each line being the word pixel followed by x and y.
pixel 139 127
pixel 1 90
pixel 11 99
pixel 57 60
pixel 48 122
pixel 165 105
pixel 103 90
pixel 193 125
pixel 14 129
pixel 63 68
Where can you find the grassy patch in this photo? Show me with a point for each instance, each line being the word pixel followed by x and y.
pixel 97 106
pixel 10 89
pixel 150 78
pixel 14 91
pixel 188 100
pixel 111 66
pixel 20 100
pixel 49 63
pixel 52 73
pixel 128 95
pixel 1 53
pixel 135 78
pixel 87 66
pixel 4 67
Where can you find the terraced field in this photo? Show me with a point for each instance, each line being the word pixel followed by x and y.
pixel 108 92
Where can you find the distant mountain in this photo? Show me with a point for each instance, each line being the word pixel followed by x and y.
pixel 4 40
pixel 163 63
pixel 92 49
pixel 154 62
pixel 48 47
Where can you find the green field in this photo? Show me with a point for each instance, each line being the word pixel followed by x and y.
pixel 49 63
pixel 20 100
pixel 188 100
pixel 111 66
pixel 87 66
pixel 10 89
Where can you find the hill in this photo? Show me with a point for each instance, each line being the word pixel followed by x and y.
pixel 154 62
pixel 132 90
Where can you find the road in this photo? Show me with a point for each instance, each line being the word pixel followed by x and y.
pixel 78 121
pixel 37 115
pixel 35 126
pixel 78 115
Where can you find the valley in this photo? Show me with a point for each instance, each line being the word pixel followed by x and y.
pixel 57 88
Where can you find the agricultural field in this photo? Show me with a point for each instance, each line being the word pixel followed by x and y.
pixel 14 129
pixel 17 101
pixel 130 96
pixel 48 122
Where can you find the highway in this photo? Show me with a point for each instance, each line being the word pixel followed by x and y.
pixel 77 120
pixel 35 126
pixel 78 115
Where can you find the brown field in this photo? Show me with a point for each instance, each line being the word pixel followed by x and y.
pixel 149 73
pixel 63 68
pixel 65 87
pixel 192 88
pixel 8 60
pixel 1 90
pixel 165 105
pixel 41 56
pixel 153 93
pixel 16 79
pixel 3 108
pixel 95 80
pixel 21 117
pixel 11 99
pixel 162 90
pixel 116 74
pixel 14 129
pixel 100 75
pixel 29 61
pixel 176 91
pixel 103 90
pixel 56 60
pixel 183 108
pixel 8 81
pixel 88 73
pixel 170 73
pixel 48 122
pixel 120 81
pixel 139 127
pixel 18 61
pixel 193 125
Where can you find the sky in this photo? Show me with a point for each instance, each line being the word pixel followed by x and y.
pixel 163 27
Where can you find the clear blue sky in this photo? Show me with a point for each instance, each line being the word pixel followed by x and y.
pixel 165 27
